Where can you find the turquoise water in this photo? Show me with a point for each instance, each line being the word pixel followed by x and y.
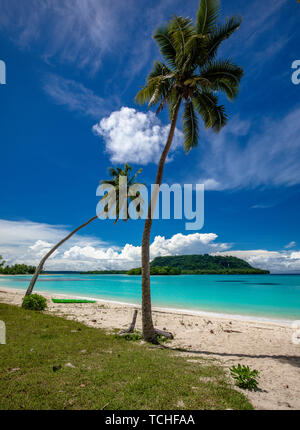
pixel 267 296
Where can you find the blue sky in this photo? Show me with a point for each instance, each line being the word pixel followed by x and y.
pixel 72 64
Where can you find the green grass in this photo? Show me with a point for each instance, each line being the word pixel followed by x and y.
pixel 108 370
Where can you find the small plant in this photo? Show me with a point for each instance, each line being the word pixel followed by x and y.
pixel 245 378
pixel 34 302
pixel 136 336
pixel 162 339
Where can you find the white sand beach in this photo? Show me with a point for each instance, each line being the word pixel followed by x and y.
pixel 265 346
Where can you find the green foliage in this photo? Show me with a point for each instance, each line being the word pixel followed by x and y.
pixel 245 378
pixel 190 126
pixel 165 270
pixel 104 272
pixel 34 302
pixel 205 264
pixel 111 201
pixel 16 269
pixel 135 336
pixel 191 73
pixel 193 265
pixel 162 339
pixel 128 375
pixel 207 15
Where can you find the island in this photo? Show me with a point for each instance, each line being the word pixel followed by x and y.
pixel 193 265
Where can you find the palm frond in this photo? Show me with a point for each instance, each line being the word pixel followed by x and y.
pixel 172 101
pixel 222 33
pixel 113 202
pixel 223 75
pixel 181 30
pixel 144 95
pixel 195 48
pixel 159 69
pixel 190 126
pixel 207 15
pixel 163 39
pixel 112 172
pixel 213 115
pixel 158 85
pixel 231 90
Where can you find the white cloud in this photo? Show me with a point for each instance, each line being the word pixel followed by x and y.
pixel 76 97
pixel 275 261
pixel 74 31
pixel 290 245
pixel 26 242
pixel 196 243
pixel 82 32
pixel 268 157
pixel 134 137
pixel 41 248
pixel 130 256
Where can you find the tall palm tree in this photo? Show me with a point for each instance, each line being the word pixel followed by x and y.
pixel 191 76
pixel 112 202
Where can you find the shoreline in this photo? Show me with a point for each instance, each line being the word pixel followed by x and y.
pixel 262 345
pixel 169 310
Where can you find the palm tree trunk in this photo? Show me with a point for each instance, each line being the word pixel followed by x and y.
pixel 149 333
pixel 43 260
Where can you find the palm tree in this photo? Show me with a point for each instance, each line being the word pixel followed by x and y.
pixel 112 202
pixel 191 76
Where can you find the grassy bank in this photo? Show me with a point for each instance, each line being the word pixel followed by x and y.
pixel 100 370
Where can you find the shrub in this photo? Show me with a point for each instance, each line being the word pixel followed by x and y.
pixel 135 336
pixel 162 339
pixel 34 302
pixel 245 378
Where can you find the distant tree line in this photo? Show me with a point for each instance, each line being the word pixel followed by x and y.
pixel 199 265
pixel 16 269
pixel 165 270
pixel 104 272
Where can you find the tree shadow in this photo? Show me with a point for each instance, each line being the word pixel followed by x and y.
pixel 292 360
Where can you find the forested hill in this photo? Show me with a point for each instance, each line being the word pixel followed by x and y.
pixel 206 264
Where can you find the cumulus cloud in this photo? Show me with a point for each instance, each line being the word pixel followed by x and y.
pixel 196 243
pixel 130 256
pixel 26 242
pixel 135 137
pixel 250 155
pixel 275 261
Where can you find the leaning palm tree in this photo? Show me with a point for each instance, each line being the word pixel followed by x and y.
pixel 191 76
pixel 113 204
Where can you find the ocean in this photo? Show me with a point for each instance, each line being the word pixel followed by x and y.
pixel 274 297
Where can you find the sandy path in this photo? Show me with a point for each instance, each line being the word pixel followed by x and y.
pixel 267 347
